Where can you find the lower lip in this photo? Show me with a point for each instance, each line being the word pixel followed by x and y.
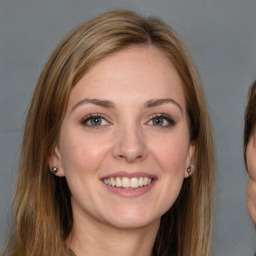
pixel 130 192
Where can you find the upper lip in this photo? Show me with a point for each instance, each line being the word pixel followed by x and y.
pixel 129 175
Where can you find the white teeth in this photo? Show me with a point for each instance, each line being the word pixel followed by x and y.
pixel 134 182
pixel 113 182
pixel 126 182
pixel 141 181
pixel 118 182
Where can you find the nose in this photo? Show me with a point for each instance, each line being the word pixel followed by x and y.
pixel 130 145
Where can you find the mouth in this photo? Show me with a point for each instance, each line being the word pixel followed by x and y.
pixel 128 182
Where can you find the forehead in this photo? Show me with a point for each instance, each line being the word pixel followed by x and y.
pixel 137 71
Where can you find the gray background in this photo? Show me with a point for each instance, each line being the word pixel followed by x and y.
pixel 221 35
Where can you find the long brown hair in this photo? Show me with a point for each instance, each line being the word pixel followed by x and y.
pixel 43 217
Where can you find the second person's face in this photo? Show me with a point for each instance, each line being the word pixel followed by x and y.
pixel 124 143
pixel 251 186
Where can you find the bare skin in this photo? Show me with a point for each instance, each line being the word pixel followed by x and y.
pixel 105 240
pixel 251 185
pixel 126 121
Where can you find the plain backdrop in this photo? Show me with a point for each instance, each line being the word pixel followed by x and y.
pixel 221 35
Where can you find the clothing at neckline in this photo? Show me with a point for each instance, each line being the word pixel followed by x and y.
pixel 71 253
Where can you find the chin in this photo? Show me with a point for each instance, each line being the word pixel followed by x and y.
pixel 133 220
pixel 133 223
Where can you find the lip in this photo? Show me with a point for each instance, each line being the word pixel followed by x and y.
pixel 130 192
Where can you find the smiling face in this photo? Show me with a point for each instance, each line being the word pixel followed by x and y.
pixel 124 143
pixel 251 167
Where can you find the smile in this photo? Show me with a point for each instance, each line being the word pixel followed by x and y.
pixel 125 182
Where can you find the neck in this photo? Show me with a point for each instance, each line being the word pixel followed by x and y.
pixel 93 238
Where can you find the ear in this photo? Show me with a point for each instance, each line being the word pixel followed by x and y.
pixel 55 161
pixel 190 157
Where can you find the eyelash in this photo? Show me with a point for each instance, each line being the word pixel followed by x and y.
pixel 91 117
pixel 170 121
pixel 164 117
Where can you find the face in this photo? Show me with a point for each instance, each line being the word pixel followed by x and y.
pixel 124 143
pixel 251 186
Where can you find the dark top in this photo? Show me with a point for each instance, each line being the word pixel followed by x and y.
pixel 71 253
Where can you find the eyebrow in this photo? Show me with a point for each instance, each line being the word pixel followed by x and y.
pixel 98 102
pixel 109 104
pixel 158 102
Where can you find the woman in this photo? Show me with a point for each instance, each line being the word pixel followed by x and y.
pixel 116 127
pixel 250 150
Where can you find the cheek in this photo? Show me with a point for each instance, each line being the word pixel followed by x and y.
pixel 172 152
pixel 81 153
pixel 251 199
pixel 251 162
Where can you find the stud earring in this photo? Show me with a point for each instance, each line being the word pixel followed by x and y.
pixel 54 170
pixel 190 169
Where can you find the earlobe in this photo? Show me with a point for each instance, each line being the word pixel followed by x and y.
pixel 190 166
pixel 190 170
pixel 55 163
pixel 54 170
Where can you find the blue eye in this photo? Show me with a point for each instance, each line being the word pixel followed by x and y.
pixel 162 121
pixel 94 121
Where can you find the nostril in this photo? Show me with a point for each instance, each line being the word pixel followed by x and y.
pixel 131 156
pixel 130 145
